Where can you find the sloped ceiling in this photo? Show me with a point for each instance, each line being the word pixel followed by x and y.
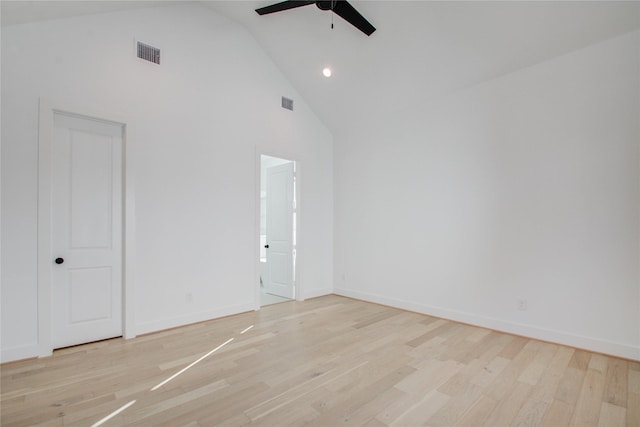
pixel 422 50
pixel 24 11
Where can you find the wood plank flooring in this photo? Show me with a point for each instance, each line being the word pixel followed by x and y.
pixel 324 362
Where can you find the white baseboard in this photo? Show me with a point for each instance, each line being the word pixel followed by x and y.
pixel 587 343
pixel 162 324
pixel 559 337
pixel 19 353
pixel 315 293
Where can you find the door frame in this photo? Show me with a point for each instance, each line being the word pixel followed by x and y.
pixel 298 277
pixel 48 108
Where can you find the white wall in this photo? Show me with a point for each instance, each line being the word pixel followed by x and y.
pixel 198 119
pixel 523 187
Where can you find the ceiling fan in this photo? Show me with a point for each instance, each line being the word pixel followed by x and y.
pixel 339 7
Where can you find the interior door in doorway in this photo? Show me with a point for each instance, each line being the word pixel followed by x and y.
pixel 86 224
pixel 279 225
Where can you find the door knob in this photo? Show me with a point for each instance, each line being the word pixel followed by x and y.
pixel 266 246
pixel 59 260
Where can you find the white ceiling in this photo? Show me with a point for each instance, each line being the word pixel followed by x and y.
pixel 421 50
pixel 23 11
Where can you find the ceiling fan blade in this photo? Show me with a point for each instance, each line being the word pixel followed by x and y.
pixel 285 5
pixel 352 16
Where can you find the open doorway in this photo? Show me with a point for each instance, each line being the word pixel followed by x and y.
pixel 277 230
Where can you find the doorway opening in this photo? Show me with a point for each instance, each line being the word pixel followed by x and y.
pixel 278 219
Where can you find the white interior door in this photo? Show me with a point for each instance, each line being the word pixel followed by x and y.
pixel 279 219
pixel 86 224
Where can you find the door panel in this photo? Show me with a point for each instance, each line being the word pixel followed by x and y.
pixel 86 230
pixel 279 218
pixel 90 298
pixel 91 180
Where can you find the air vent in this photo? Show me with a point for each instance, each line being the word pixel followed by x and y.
pixel 287 103
pixel 148 53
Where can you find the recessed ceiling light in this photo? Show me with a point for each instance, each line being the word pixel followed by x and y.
pixel 326 71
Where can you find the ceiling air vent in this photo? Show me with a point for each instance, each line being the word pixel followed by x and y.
pixel 148 53
pixel 287 103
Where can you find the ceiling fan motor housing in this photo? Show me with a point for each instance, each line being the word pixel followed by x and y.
pixel 325 5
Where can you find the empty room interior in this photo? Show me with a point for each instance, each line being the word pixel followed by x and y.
pixel 376 213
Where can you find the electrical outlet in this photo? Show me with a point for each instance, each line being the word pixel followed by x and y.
pixel 522 304
pixel 188 297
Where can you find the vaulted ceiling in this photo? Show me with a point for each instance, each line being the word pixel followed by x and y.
pixel 421 51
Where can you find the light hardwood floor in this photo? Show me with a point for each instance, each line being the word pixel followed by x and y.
pixel 323 362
